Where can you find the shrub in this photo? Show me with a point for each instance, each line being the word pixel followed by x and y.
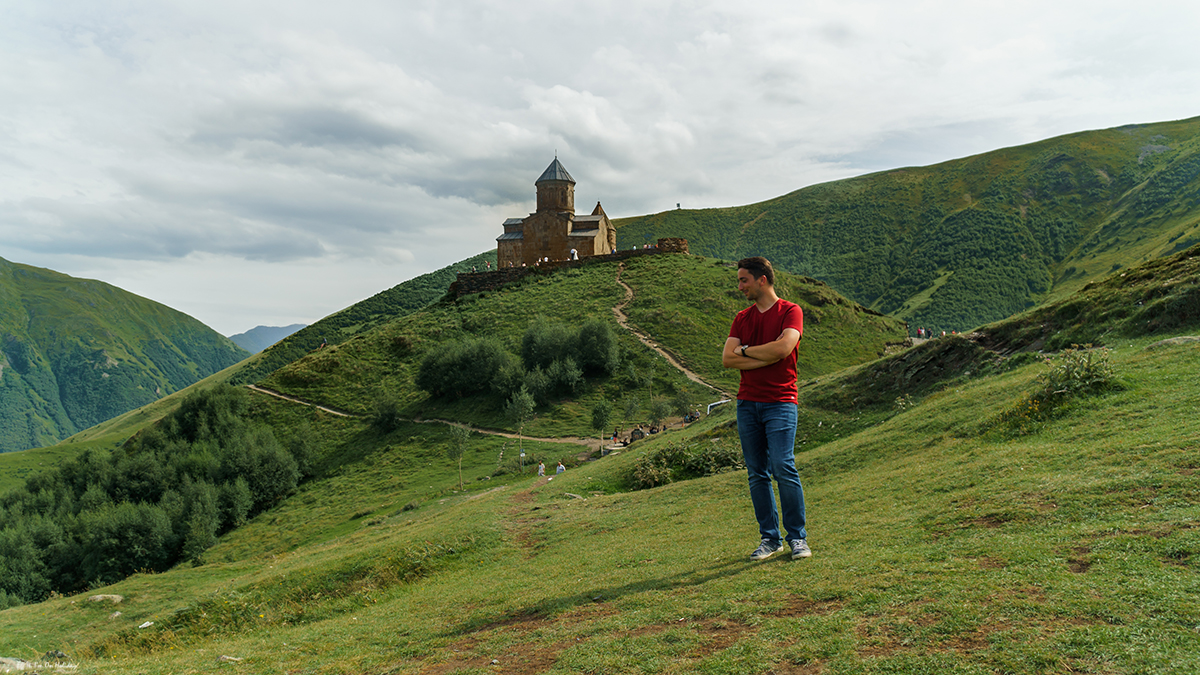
pixel 565 377
pixel 598 350
pixel 1077 372
pixel 537 384
pixel 385 415
pixel 463 367
pixel 118 540
pixel 662 466
pixel 544 343
pixel 1080 370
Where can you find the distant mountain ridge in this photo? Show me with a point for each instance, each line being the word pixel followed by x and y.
pixel 76 352
pixel 260 337
pixel 973 240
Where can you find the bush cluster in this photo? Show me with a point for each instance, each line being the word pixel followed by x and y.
pixel 1078 371
pixel 555 359
pixel 161 499
pixel 682 462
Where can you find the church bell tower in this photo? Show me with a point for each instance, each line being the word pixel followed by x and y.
pixel 555 189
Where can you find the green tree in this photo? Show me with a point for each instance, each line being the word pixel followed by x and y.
pixel 519 410
pixel 630 409
pixel 601 416
pixel 658 412
pixel 544 343
pixel 121 539
pixel 203 521
pixel 598 350
pixel 458 447
pixel 681 404
pixel 565 377
pixel 236 502
pixel 463 367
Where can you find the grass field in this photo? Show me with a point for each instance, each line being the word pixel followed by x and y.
pixel 941 544
pixel 954 530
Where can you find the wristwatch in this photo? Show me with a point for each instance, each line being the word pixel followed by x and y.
pixel 744 350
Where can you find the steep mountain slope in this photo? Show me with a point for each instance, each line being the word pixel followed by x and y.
pixel 76 352
pixel 260 337
pixel 965 242
pixel 400 300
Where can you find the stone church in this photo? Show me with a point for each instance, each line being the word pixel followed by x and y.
pixel 554 231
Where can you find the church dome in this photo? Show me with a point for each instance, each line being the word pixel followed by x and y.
pixel 556 171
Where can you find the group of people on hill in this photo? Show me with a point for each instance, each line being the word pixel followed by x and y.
pixel 542 468
pixel 925 333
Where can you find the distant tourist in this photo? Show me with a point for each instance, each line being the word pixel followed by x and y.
pixel 541 468
pixel 762 343
pixel 560 469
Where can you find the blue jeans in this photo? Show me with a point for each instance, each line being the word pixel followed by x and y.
pixel 768 434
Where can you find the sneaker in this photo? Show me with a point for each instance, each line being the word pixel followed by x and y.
pixel 800 549
pixel 766 549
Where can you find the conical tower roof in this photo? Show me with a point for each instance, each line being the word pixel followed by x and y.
pixel 556 171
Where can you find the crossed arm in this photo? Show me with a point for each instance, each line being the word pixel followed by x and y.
pixel 758 356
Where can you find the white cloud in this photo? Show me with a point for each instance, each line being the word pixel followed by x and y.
pixel 275 143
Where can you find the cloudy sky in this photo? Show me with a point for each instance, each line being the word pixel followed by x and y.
pixel 272 162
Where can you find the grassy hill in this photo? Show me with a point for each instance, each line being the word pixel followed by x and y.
pixel 400 300
pixel 387 305
pixel 954 528
pixel 973 240
pixel 76 352
pixel 150 487
pixel 684 302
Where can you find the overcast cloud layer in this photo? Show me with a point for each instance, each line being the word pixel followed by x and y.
pixel 272 162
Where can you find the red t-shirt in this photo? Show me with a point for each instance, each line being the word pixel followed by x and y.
pixel 776 382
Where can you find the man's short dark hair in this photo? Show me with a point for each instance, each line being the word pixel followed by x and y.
pixel 758 267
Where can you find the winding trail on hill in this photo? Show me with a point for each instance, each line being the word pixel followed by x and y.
pixel 590 443
pixel 623 320
pixel 293 399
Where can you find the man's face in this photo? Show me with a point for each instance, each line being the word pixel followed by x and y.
pixel 748 285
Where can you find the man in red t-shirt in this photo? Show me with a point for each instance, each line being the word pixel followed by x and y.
pixel 762 344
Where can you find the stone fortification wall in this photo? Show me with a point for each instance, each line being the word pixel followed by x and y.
pixel 478 282
pixel 672 245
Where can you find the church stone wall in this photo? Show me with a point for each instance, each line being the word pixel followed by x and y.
pixel 468 283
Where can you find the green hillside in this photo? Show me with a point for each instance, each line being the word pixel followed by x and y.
pixel 151 489
pixel 955 528
pixel 76 352
pixel 974 240
pixel 685 302
pixel 401 299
